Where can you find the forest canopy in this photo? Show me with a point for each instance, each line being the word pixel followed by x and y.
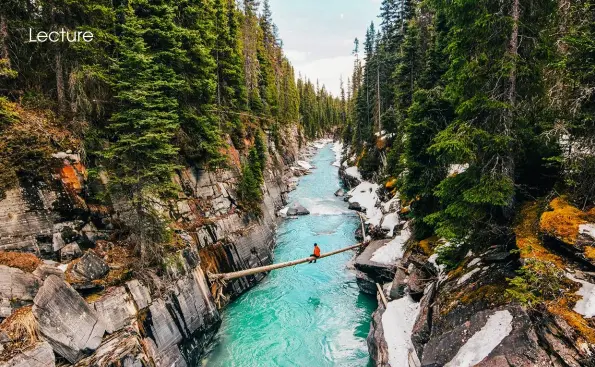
pixel 474 107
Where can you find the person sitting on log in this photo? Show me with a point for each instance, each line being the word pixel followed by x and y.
pixel 316 253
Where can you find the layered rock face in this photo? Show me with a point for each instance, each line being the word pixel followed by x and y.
pixel 88 301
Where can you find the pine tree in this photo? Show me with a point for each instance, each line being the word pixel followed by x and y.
pixel 200 137
pixel 141 155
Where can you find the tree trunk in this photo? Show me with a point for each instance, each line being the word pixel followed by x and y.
pixel 514 46
pixel 60 81
pixel 3 38
pixel 508 163
pixel 261 269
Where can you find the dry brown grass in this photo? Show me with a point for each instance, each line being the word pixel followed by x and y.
pixel 23 330
pixel 24 261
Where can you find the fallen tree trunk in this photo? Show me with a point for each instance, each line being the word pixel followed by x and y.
pixel 260 269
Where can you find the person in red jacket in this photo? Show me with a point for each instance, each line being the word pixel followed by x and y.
pixel 316 253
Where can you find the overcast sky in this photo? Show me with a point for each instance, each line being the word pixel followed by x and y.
pixel 318 35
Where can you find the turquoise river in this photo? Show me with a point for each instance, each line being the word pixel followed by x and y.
pixel 309 315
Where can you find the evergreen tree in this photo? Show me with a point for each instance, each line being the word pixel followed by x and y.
pixel 200 137
pixel 141 154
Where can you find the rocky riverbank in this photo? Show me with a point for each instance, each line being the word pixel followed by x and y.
pixel 72 291
pixel 468 314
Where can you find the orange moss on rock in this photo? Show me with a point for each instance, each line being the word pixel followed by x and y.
pixel 590 252
pixel 427 245
pixel 527 236
pixel 391 183
pixel 562 308
pixel 24 261
pixel 70 179
pixel 563 221
pixel 459 270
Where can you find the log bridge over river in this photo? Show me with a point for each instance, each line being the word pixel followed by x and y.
pixel 261 269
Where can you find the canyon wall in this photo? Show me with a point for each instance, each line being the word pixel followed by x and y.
pixel 480 310
pixel 65 270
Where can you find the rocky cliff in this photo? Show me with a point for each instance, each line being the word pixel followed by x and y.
pixel 524 302
pixel 71 288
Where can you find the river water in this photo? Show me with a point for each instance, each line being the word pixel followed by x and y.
pixel 309 315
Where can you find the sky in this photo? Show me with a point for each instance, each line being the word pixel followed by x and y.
pixel 318 35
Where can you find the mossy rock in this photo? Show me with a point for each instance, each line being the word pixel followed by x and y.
pixel 561 228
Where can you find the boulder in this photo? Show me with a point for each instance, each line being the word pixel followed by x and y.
pixel 91 266
pixel 115 309
pixel 196 310
pixel 422 328
pixel 297 209
pixel 140 293
pixel 66 321
pixel 16 287
pixel 92 234
pixel 586 235
pixel 70 252
pixel 399 284
pixel 340 193
pixel 379 273
pixel 377 346
pixel 57 241
pixel 365 283
pixel 416 282
pixel 5 307
pixel 355 206
pixel 40 355
pixel 499 256
pixel 45 270
pixel 169 357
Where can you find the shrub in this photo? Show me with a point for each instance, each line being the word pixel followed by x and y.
pixel 537 282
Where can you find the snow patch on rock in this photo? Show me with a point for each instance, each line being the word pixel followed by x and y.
pixel 304 164
pixel 466 277
pixel 353 172
pixel 338 148
pixel 481 344
pixel 473 262
pixel 392 204
pixel 586 305
pixel 397 322
pixel 283 212
pixel 587 229
pixel 389 222
pixel 393 250
pixel 365 195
